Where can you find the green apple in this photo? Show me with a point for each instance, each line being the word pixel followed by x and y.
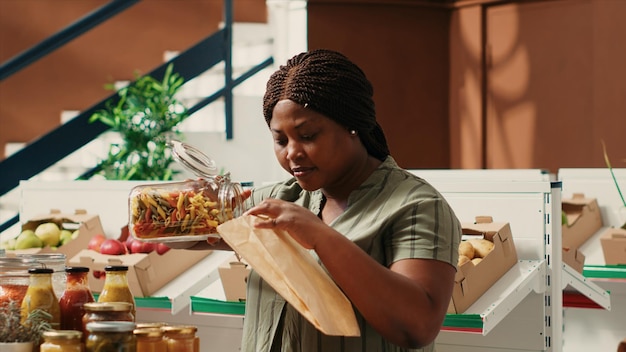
pixel 65 237
pixel 28 239
pixel 11 243
pixel 49 233
pixel 75 234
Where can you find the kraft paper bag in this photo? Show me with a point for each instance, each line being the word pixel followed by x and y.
pixel 294 273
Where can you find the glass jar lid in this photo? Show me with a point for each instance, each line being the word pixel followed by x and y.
pixel 62 334
pixel 107 307
pixel 193 159
pixel 116 268
pixel 111 326
pixel 148 332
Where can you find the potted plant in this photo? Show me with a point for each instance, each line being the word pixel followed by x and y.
pixel 17 335
pixel 145 116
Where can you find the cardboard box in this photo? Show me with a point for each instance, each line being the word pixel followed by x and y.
pixel 574 258
pixel 472 281
pixel 583 220
pixel 613 242
pixel 234 276
pixel 147 272
pixel 88 225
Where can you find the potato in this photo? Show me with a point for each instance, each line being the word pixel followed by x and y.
pixel 462 260
pixel 466 249
pixel 477 260
pixel 482 247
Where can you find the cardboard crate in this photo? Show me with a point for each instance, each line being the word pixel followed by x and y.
pixel 147 272
pixel 574 258
pixel 613 242
pixel 234 276
pixel 472 281
pixel 583 220
pixel 88 225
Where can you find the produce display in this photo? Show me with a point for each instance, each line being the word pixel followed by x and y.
pixel 474 250
pixel 45 234
pixel 160 212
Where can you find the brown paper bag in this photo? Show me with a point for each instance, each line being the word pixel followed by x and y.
pixel 294 273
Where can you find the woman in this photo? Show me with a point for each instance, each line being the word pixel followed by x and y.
pixel 387 238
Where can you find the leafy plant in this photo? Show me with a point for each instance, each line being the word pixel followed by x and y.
pixel 145 116
pixel 608 164
pixel 12 329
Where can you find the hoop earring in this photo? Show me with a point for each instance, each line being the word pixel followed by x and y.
pixel 353 132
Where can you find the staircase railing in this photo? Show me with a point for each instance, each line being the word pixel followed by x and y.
pixel 44 152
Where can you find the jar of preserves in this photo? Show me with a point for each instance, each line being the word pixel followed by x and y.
pixel 150 340
pixel 116 287
pixel 189 210
pixel 14 279
pixel 62 341
pixel 76 294
pixel 40 295
pixel 181 338
pixel 106 311
pixel 54 261
pixel 116 336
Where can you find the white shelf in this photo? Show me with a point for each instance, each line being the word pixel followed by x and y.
pixel 572 279
pixel 192 281
pixel 492 307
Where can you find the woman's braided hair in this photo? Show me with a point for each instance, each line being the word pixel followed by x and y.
pixel 329 83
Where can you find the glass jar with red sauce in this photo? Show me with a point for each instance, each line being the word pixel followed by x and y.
pixel 14 279
pixel 76 294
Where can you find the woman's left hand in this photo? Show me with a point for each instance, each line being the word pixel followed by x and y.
pixel 298 221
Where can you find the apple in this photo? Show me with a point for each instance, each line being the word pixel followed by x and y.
pixel 129 243
pixel 112 246
pixel 142 247
pixel 162 248
pixel 66 236
pixel 28 239
pixel 96 241
pixel 49 233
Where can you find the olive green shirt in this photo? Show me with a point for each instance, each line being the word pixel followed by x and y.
pixel 393 215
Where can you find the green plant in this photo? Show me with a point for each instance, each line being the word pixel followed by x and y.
pixel 12 329
pixel 145 116
pixel 608 164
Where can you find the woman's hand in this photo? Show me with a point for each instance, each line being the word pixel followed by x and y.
pixel 302 224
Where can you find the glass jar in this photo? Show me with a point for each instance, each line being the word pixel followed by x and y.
pixel 76 294
pixel 185 211
pixel 106 311
pixel 116 287
pixel 181 338
pixel 14 279
pixel 150 340
pixel 116 336
pixel 55 261
pixel 40 295
pixel 62 341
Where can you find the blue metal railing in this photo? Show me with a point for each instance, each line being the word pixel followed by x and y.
pixel 44 152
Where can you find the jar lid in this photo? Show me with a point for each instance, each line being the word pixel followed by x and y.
pixel 148 332
pixel 76 269
pixel 180 329
pixel 193 159
pixel 40 271
pixel 111 326
pixel 108 306
pixel 63 334
pixel 116 268
pixel 151 325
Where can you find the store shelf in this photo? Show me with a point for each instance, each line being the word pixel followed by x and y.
pixel 179 291
pixel 581 292
pixel 201 305
pixel 523 278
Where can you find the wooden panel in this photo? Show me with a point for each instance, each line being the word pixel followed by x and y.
pixel 555 74
pixel 404 52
